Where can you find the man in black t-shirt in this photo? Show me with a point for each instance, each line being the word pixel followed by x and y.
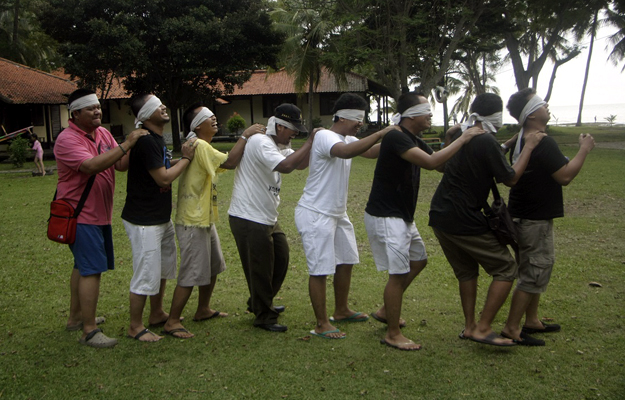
pixel 389 217
pixel 534 201
pixel 147 215
pixel 461 228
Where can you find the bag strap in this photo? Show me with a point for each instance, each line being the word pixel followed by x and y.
pixel 496 196
pixel 84 196
pixel 85 193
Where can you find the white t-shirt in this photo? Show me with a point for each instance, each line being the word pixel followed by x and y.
pixel 256 191
pixel 326 187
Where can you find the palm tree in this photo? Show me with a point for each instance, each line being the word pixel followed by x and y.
pixel 616 18
pixel 22 39
pixel 307 26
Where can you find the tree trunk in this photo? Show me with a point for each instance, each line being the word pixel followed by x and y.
pixel 175 128
pixel 592 42
pixel 556 65
pixel 16 19
pixel 311 95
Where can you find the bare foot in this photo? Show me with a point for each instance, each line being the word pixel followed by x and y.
pixel 401 342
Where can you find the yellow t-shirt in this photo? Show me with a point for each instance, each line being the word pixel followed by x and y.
pixel 197 194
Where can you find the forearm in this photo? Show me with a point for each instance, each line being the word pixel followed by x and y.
pixel 165 176
pixel 358 147
pixel 104 161
pixel 298 160
pixel 566 174
pixel 235 155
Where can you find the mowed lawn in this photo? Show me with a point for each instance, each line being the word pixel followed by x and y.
pixel 229 359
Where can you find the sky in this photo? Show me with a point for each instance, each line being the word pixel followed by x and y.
pixel 606 83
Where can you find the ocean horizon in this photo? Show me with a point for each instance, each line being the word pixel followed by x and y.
pixel 561 115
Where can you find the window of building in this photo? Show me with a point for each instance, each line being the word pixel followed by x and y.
pixel 270 102
pixel 36 115
pixel 326 102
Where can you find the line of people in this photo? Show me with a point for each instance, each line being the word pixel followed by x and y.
pixel 470 161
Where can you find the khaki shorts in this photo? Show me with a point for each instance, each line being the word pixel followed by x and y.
pixel 200 255
pixel 467 253
pixel 394 243
pixel 536 254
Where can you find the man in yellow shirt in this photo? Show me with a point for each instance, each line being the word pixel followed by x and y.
pixel 201 258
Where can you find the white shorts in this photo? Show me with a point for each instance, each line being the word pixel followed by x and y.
pixel 394 243
pixel 153 256
pixel 200 255
pixel 328 241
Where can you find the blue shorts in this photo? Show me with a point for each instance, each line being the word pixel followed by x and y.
pixel 93 249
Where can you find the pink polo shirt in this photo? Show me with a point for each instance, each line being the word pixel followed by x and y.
pixel 71 149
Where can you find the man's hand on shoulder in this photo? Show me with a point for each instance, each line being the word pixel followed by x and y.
pixel 472 132
pixel 389 128
pixel 135 135
pixel 253 130
pixel 532 139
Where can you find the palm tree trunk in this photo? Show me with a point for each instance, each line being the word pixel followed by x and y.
pixel 592 42
pixel 311 95
pixel 16 18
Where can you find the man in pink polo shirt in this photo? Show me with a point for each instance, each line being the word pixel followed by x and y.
pixel 81 150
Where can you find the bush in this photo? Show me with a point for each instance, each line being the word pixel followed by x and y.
pixel 17 152
pixel 235 122
pixel 317 123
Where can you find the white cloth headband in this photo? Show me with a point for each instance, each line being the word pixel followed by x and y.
pixel 532 106
pixel 490 123
pixel 83 102
pixel 202 116
pixel 353 115
pixel 271 126
pixel 414 111
pixel 147 110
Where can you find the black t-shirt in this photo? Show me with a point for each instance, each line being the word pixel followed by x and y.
pixel 146 202
pixel 457 205
pixel 537 195
pixel 395 186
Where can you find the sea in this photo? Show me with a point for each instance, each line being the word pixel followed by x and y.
pixel 562 115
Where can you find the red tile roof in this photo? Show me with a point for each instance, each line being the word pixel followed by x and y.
pixel 117 90
pixel 263 82
pixel 20 84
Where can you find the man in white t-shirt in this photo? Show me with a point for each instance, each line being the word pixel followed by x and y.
pixel 321 218
pixel 262 245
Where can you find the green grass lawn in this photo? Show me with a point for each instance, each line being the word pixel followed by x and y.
pixel 229 359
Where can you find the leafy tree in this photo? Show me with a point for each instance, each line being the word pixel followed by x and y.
pixel 21 37
pixel 180 50
pixel 396 40
pixel 534 30
pixel 307 25
pixel 615 16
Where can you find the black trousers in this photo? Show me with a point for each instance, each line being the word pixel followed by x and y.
pixel 264 254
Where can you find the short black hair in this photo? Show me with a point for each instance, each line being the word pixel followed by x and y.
pixel 487 104
pixel 189 114
pixel 518 101
pixel 138 101
pixel 349 101
pixel 77 94
pixel 408 100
